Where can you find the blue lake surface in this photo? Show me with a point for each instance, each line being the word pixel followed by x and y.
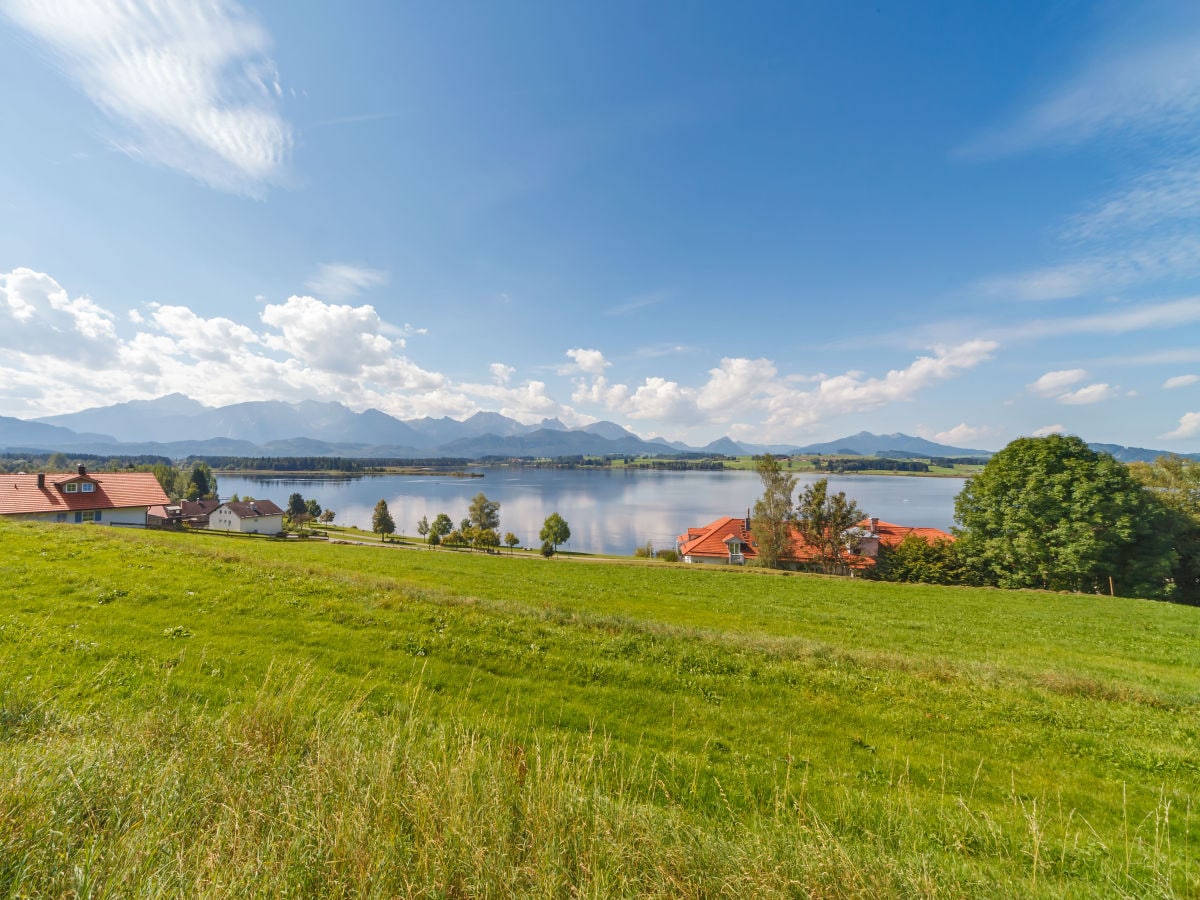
pixel 609 511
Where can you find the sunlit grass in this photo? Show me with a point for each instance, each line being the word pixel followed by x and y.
pixel 183 714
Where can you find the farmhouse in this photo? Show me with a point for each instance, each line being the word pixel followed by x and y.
pixel 186 512
pixel 730 541
pixel 250 517
pixel 107 498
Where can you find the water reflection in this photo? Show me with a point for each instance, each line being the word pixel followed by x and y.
pixel 609 511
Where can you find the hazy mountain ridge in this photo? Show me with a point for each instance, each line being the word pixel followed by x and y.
pixel 177 426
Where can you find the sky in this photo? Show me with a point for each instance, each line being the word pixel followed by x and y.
pixel 783 222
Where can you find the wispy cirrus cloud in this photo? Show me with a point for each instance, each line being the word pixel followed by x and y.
pixel 340 281
pixel 1151 87
pixel 191 85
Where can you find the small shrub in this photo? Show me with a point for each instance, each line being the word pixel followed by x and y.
pixel 645 552
pixel 668 555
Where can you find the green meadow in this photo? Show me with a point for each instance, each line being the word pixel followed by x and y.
pixel 193 715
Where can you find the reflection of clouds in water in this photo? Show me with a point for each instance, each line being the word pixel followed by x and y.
pixel 608 511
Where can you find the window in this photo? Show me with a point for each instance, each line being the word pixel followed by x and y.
pixel 72 488
pixel 87 487
pixel 61 517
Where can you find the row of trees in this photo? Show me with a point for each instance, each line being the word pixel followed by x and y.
pixel 1046 513
pixel 300 512
pixel 480 529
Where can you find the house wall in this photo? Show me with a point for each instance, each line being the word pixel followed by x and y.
pixel 133 515
pixel 708 560
pixel 225 520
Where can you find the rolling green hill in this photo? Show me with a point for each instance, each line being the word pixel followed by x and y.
pixel 198 715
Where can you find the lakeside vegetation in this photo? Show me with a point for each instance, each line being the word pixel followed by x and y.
pixel 189 714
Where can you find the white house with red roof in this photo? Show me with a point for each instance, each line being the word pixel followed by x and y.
pixel 248 517
pixel 106 498
pixel 730 541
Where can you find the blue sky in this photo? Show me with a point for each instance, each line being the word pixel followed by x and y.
pixel 784 222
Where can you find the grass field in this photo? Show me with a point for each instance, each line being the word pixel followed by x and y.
pixel 184 714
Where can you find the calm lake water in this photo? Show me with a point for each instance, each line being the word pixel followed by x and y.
pixel 609 511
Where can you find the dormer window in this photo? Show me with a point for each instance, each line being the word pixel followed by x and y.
pixel 87 487
pixel 72 488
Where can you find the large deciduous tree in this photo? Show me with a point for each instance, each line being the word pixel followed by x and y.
pixel 555 530
pixel 1052 513
pixel 484 514
pixel 823 520
pixel 1175 482
pixel 772 521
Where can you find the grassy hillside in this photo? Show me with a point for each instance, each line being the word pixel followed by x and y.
pixel 182 714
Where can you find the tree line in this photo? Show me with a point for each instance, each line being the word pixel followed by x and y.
pixel 1048 513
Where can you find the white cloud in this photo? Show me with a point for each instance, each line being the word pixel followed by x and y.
pixel 1106 270
pixel 590 362
pixel 1092 393
pixel 1054 383
pixel 192 82
pixel 1170 314
pixel 962 434
pixel 740 386
pixel 1170 192
pixel 501 373
pixel 339 281
pixel 1152 87
pixel 332 337
pixel 38 316
pixel 1180 381
pixel 1189 426
pixel 1049 429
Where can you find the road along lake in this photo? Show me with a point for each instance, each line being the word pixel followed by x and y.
pixel 609 510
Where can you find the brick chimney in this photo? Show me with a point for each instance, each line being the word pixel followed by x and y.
pixel 82 469
pixel 41 481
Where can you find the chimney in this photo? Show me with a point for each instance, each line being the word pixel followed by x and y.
pixel 874 523
pixel 747 518
pixel 41 481
pixel 82 469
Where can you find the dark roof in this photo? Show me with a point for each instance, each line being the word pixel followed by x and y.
pixel 251 509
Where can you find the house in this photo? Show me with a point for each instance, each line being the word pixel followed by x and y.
pixel 250 517
pixel 107 498
pixel 730 541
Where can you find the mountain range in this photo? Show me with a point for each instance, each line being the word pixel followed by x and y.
pixel 177 426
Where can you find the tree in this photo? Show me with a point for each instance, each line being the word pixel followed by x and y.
pixel 465 525
pixel 1175 482
pixel 484 513
pixel 555 530
pixel 486 539
pixel 202 484
pixel 823 519
pixel 328 516
pixel 441 527
pixel 916 559
pixel 313 508
pixel 1052 513
pixel 423 528
pixel 295 505
pixel 381 520
pixel 511 540
pixel 547 549
pixel 772 522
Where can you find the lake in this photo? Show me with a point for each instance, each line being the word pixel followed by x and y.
pixel 609 510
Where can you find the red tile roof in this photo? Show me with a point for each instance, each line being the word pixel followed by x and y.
pixel 710 540
pixel 114 490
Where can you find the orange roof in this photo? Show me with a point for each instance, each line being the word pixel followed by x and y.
pixel 712 540
pixel 113 490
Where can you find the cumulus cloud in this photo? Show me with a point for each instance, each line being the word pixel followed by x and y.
pixel 38 316
pixel 1180 381
pixel 1049 429
pixel 191 84
pixel 962 434
pixel 1053 384
pixel 1092 393
pixel 501 373
pixel 590 362
pixel 740 386
pixel 1189 426
pixel 328 336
